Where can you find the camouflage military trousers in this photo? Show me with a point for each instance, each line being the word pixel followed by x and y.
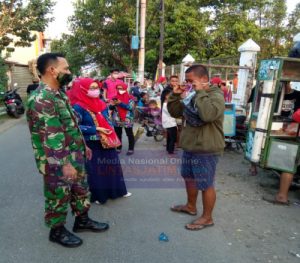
pixel 59 194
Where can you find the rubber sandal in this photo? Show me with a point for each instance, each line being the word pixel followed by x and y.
pixel 273 201
pixel 179 209
pixel 198 226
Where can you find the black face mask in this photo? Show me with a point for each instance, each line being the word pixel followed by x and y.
pixel 64 79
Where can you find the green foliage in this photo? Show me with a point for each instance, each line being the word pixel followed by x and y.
pixel 18 19
pixel 94 74
pixel 104 29
pixel 69 46
pixel 206 29
pixel 293 26
pixel 185 32
pixel 273 29
pixel 3 75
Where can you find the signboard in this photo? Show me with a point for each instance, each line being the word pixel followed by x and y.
pixel 135 42
pixel 267 69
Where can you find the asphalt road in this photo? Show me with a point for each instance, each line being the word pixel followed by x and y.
pixel 246 229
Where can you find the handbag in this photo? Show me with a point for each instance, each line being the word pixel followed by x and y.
pixel 108 141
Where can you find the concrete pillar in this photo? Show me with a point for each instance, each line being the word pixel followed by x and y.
pixel 248 58
pixel 187 59
pixel 172 70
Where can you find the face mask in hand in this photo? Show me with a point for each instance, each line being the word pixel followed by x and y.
pixel 95 93
pixel 64 79
pixel 122 92
pixel 189 97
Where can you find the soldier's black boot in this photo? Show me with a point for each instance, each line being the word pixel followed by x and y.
pixel 64 237
pixel 84 223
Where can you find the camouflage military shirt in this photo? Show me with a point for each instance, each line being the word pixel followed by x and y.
pixel 55 135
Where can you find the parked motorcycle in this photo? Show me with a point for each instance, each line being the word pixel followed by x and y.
pixel 13 102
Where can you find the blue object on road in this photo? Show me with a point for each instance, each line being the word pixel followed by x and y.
pixel 163 237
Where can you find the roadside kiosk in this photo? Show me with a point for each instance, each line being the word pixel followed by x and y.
pixel 273 140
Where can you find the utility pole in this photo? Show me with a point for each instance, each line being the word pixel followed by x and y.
pixel 162 33
pixel 137 17
pixel 141 71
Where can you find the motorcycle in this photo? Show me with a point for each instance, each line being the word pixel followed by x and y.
pixel 13 102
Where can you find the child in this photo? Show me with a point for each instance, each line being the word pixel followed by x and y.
pixel 123 114
pixel 169 123
pixel 151 115
pixel 154 111
pixel 141 104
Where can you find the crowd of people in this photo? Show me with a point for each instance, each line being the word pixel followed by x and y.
pixel 77 133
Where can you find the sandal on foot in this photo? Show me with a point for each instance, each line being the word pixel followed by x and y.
pixel 182 209
pixel 196 227
pixel 274 201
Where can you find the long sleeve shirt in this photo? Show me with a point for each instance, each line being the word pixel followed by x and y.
pixel 129 119
pixel 55 135
pixel 167 120
pixel 86 123
pixel 208 138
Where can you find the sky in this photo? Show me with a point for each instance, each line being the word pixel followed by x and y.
pixel 61 11
pixel 64 8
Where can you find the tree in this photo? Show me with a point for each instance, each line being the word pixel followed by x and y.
pixel 69 46
pixel 185 32
pixel 18 20
pixel 293 26
pixel 230 27
pixel 273 33
pixel 203 28
pixel 104 30
pixel 3 75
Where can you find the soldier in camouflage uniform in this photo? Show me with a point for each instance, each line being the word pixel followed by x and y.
pixel 60 152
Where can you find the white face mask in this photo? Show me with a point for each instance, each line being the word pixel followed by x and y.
pixel 122 92
pixel 95 93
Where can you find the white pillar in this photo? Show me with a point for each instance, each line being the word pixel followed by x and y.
pixel 163 70
pixel 172 69
pixel 187 59
pixel 248 58
pixel 262 120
